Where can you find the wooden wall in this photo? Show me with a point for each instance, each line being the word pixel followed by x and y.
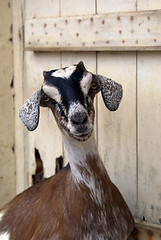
pixel 128 139
pixel 7 156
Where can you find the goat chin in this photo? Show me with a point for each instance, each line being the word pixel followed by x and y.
pixel 82 137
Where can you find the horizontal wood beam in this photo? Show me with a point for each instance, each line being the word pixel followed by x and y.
pixel 130 31
pixel 148 226
pixel 145 230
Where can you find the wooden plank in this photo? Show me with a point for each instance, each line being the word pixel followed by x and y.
pixel 148 226
pixel 89 59
pixel 107 6
pixel 47 137
pixel 148 4
pixel 117 130
pixel 18 47
pixel 35 64
pixel 7 155
pixel 146 230
pixel 149 136
pixel 119 31
pixel 41 8
pixel 73 8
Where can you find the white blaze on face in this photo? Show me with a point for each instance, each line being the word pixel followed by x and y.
pixel 64 73
pixel 85 83
pixel 4 236
pixel 75 107
pixel 52 92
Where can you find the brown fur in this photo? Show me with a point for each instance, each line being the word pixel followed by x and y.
pixel 59 207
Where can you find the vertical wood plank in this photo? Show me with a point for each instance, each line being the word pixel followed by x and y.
pixel 41 8
pixel 72 8
pixel 46 138
pixel 89 60
pixel 149 136
pixel 107 6
pixel 148 4
pixel 7 156
pixel 18 11
pixel 117 130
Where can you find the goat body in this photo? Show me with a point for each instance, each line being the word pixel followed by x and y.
pixel 78 203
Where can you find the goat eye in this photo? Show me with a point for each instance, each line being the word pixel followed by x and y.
pixel 94 86
pixel 46 99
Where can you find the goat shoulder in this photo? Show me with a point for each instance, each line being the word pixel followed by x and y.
pixel 38 211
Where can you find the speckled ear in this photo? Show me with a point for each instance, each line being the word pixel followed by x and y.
pixel 29 112
pixel 111 92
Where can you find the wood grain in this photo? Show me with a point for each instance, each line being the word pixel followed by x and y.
pixel 128 31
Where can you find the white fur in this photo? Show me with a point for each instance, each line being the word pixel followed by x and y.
pixel 85 83
pixel 95 235
pixel 76 107
pixel 52 92
pixel 4 236
pixel 64 73
pixel 77 153
pixel 1 215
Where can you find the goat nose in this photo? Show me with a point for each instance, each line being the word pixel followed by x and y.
pixel 79 118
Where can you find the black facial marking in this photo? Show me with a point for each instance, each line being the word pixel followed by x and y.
pixel 78 73
pixel 69 89
pixel 61 111
pixel 88 103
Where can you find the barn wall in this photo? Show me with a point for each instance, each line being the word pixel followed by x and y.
pixel 7 156
pixel 128 139
pixel 130 153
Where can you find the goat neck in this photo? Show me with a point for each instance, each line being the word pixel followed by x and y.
pixel 82 155
pixel 91 178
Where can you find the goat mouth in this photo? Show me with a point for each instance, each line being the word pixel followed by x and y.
pixel 82 136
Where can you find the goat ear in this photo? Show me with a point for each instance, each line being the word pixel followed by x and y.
pixel 81 66
pixel 29 112
pixel 111 92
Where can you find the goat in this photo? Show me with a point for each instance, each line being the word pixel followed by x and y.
pixel 80 202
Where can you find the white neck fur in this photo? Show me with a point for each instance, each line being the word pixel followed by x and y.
pixel 80 155
pixel 77 153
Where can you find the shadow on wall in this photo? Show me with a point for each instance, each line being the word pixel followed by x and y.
pixel 39 171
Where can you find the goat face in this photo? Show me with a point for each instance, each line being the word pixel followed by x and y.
pixel 69 92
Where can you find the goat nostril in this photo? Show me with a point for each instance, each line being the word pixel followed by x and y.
pixel 79 119
pixel 85 120
pixel 74 122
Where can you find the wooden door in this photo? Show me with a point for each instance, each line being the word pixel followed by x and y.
pixel 118 39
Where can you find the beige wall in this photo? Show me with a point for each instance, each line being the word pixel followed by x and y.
pixel 7 156
pixel 128 139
